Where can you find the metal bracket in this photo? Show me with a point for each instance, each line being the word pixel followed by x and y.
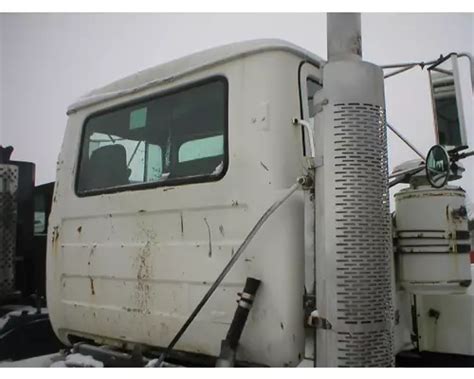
pixel 307 126
pixel 318 161
pixel 317 108
pixel 317 322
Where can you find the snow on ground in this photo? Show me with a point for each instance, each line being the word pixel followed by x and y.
pixel 41 361
pixel 152 363
pixel 55 360
pixel 78 360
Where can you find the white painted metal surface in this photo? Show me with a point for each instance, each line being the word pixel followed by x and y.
pixel 353 241
pixel 189 65
pixel 432 240
pixel 453 330
pixel 130 266
pixel 344 36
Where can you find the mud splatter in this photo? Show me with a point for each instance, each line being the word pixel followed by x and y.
pixel 143 277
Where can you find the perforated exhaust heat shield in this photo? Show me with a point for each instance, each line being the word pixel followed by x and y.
pixel 353 239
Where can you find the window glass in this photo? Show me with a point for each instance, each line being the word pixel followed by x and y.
pixel 312 87
pixel 40 214
pixel 164 140
pixel 201 148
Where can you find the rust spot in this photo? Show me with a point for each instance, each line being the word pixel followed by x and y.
pixel 143 276
pixel 90 254
pixel 55 234
pixel 210 237
pixel 431 194
pixel 55 239
pixel 79 229
pixel 92 285
pixel 263 165
pixel 459 214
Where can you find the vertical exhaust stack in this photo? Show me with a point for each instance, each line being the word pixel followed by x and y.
pixel 353 235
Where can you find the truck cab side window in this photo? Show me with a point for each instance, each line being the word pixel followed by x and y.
pixel 163 140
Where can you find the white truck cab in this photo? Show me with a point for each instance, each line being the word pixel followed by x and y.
pixel 160 177
pixel 237 163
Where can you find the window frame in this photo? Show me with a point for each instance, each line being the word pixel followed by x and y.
pixel 169 182
pixel 305 73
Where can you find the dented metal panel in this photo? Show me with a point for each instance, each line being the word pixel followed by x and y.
pixel 130 267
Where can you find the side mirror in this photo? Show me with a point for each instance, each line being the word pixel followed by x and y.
pixel 447 103
pixel 437 166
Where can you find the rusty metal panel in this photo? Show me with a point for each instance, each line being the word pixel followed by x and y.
pixel 8 216
pixel 130 267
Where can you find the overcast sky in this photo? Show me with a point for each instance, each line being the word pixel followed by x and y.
pixel 49 60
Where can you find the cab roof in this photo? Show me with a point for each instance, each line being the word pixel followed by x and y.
pixel 187 65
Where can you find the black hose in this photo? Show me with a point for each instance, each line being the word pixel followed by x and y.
pixel 242 312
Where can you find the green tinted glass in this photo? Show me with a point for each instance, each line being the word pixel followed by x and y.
pixel 201 148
